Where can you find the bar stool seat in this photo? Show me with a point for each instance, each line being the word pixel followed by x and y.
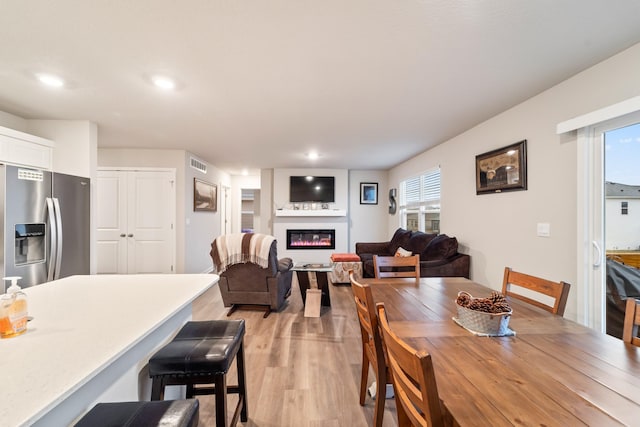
pixel 201 354
pixel 167 413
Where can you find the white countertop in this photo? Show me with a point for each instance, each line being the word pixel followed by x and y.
pixel 80 325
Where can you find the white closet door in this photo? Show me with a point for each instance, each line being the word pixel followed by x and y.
pixel 150 222
pixel 136 216
pixel 111 228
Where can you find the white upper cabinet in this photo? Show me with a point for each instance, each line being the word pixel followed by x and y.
pixel 20 148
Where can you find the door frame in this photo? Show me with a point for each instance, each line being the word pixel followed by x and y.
pixel 591 248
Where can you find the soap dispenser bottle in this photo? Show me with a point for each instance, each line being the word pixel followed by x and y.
pixel 13 310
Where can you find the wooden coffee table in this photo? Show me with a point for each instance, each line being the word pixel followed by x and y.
pixel 312 277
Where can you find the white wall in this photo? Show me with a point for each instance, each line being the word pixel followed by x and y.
pixel 201 227
pixel 13 122
pixel 281 185
pixel 365 220
pixel 266 201
pixel 499 230
pixel 281 223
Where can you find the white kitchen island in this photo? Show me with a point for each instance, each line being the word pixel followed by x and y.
pixel 90 340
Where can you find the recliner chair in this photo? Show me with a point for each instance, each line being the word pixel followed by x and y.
pixel 247 283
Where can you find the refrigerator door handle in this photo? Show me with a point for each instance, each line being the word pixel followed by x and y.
pixel 56 205
pixel 53 239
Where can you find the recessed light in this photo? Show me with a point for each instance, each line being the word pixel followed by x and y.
pixel 245 172
pixel 50 80
pixel 163 82
pixel 313 155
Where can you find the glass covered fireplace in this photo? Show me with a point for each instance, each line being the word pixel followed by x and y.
pixel 311 239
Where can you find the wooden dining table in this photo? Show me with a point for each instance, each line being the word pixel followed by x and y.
pixel 552 372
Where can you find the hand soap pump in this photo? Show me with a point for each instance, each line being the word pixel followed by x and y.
pixel 13 310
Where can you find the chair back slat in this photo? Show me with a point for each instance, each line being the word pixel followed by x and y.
pixel 631 322
pixel 396 266
pixel 559 291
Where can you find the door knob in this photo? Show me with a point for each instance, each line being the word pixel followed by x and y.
pixel 123 235
pixel 130 235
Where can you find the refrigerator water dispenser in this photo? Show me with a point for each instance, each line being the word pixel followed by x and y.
pixel 30 244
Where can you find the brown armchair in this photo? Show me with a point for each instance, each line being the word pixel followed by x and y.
pixel 243 282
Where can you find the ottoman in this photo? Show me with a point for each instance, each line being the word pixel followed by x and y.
pixel 341 263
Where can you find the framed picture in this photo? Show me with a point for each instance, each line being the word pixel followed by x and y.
pixel 504 169
pixel 368 193
pixel 205 196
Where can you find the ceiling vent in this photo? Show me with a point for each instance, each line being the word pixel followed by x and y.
pixel 198 165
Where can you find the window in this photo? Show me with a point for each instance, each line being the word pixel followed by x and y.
pixel 419 205
pixel 624 208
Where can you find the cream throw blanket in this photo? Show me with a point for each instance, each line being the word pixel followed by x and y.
pixel 238 248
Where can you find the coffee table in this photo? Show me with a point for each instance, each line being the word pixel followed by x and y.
pixel 313 276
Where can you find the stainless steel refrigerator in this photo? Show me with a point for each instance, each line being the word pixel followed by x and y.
pixel 45 224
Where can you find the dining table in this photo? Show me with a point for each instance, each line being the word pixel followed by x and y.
pixel 550 372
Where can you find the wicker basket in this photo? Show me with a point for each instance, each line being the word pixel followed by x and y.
pixel 482 322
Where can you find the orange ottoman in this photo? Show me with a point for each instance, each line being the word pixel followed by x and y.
pixel 341 263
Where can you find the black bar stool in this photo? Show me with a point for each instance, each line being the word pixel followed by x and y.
pixel 174 413
pixel 201 354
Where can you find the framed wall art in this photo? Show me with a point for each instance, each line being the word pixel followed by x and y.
pixel 504 169
pixel 368 193
pixel 205 196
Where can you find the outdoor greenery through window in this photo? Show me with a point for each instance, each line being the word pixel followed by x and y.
pixel 419 205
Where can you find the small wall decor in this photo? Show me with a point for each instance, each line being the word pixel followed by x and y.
pixel 392 201
pixel 205 196
pixel 504 169
pixel 368 193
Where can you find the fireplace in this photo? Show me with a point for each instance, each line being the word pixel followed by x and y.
pixel 311 239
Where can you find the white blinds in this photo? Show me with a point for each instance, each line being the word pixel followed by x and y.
pixel 423 190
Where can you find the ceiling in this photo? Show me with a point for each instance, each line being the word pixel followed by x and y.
pixel 366 83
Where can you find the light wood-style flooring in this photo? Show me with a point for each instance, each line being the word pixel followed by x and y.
pixel 302 372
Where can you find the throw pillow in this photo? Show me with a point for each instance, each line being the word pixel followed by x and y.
pixel 401 252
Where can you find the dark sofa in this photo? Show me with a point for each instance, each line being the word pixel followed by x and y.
pixel 439 256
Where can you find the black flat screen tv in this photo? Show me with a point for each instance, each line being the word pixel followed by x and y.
pixel 319 189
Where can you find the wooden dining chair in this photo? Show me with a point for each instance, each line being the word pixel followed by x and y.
pixel 559 291
pixel 396 266
pixel 373 353
pixel 414 381
pixel 631 322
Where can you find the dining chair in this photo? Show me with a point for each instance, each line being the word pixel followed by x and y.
pixel 373 353
pixel 414 381
pixel 396 266
pixel 559 291
pixel 631 322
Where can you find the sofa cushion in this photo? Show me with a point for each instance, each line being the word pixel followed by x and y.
pixel 440 247
pixel 400 239
pixel 418 241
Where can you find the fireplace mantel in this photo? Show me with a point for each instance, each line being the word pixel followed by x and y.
pixel 309 212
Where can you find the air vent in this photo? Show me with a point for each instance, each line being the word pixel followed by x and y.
pixel 30 175
pixel 198 165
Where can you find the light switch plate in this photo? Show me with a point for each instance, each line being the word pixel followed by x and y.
pixel 544 229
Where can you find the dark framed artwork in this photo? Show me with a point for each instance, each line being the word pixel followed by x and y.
pixel 504 169
pixel 205 196
pixel 368 193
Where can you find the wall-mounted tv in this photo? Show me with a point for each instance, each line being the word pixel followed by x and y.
pixel 312 189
